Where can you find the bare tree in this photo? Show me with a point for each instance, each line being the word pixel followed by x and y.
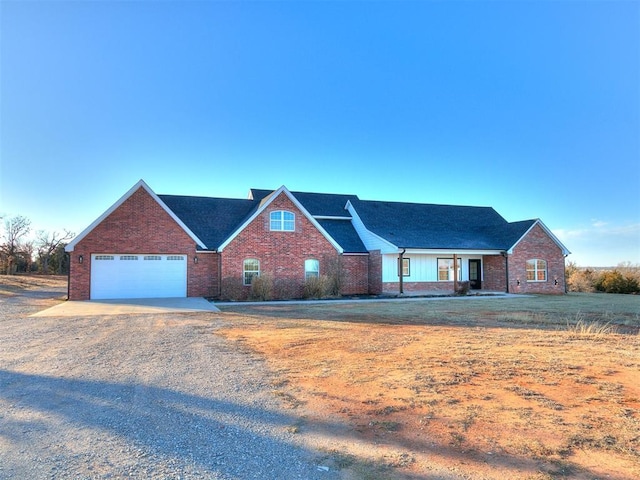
pixel 15 229
pixel 48 244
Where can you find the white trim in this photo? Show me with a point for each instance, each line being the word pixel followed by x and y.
pixel 330 217
pixel 564 249
pixel 448 251
pixel 266 201
pixel 141 184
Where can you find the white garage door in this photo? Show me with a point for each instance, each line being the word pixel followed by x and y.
pixel 138 276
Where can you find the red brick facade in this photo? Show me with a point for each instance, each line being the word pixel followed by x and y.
pixel 536 245
pixel 494 273
pixel 282 256
pixel 140 225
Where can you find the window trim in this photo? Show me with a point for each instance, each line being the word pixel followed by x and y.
pixel 458 265
pixel 311 273
pixel 536 270
pixel 280 224
pixel 253 272
pixel 406 261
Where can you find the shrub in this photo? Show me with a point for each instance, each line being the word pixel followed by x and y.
pixel 335 275
pixel 615 282
pixel 579 279
pixel 261 287
pixel 463 288
pixel 316 287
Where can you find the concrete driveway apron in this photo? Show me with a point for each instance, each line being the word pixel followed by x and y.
pixel 128 306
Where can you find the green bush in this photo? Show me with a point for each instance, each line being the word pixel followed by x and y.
pixel 616 282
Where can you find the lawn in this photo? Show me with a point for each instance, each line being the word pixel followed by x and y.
pixel 534 387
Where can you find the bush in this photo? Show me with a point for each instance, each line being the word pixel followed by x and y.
pixel 615 282
pixel 463 288
pixel 261 287
pixel 317 287
pixel 335 275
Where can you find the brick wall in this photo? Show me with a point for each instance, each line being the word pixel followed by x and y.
pixel 140 225
pixel 394 287
pixel 281 254
pixel 537 244
pixel 494 273
pixel 375 272
pixel 355 269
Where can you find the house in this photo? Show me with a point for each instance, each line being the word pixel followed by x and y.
pixel 150 245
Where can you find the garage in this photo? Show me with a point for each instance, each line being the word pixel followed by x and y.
pixel 138 276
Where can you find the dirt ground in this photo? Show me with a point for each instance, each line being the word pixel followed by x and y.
pixel 475 395
pixel 524 388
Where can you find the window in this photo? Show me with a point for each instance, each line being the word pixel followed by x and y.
pixel 152 257
pixel 250 269
pixel 536 270
pixel 445 269
pixel 406 267
pixel 311 268
pixel 282 221
pixel 175 257
pixel 128 257
pixel 104 257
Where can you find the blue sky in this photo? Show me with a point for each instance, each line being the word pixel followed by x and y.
pixel 532 108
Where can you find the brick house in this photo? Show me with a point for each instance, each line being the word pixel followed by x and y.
pixel 149 245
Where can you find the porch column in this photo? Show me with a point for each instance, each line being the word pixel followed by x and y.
pixel 455 273
pixel 400 272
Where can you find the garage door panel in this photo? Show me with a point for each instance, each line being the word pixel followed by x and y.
pixel 138 276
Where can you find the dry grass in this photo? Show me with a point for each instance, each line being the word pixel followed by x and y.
pixel 501 388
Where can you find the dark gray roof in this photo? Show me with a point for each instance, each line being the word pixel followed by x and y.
pixel 317 204
pixel 406 225
pixel 429 226
pixel 342 231
pixel 212 220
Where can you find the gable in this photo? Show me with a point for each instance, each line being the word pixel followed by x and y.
pixel 538 230
pixel 273 200
pixel 139 191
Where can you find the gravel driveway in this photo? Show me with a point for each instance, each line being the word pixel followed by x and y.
pixel 138 396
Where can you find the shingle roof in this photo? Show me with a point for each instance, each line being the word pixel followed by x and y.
pixel 406 225
pixel 317 204
pixel 211 219
pixel 342 231
pixel 429 226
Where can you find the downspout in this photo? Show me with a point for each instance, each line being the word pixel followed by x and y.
pixel 400 273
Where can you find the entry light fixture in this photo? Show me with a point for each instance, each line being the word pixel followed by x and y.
pixel 195 259
pixel 81 259
pixel 518 282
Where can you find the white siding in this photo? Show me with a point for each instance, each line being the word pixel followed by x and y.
pixel 423 268
pixel 370 240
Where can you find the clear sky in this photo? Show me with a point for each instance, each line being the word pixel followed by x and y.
pixel 532 108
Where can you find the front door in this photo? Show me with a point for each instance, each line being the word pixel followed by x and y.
pixel 475 274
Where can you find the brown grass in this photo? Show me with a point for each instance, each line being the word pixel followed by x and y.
pixel 531 388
